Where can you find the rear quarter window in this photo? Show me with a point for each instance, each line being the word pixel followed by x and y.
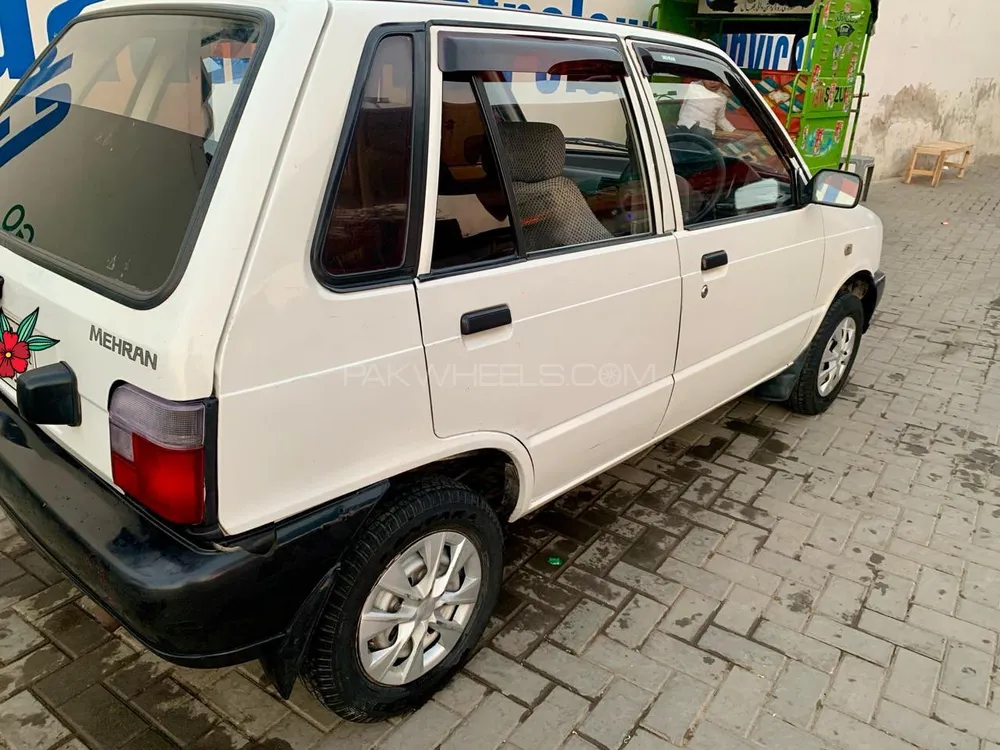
pixel 108 145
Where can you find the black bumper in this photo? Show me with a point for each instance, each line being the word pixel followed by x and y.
pixel 193 603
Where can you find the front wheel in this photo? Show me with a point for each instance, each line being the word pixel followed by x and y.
pixel 413 597
pixel 830 357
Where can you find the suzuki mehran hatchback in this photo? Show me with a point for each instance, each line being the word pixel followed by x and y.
pixel 303 301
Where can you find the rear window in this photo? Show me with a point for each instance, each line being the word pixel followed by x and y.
pixel 107 145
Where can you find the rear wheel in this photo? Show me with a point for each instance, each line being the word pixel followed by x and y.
pixel 412 599
pixel 830 357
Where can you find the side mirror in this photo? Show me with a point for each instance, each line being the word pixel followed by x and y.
pixel 832 187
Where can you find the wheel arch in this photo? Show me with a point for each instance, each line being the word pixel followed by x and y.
pixel 862 285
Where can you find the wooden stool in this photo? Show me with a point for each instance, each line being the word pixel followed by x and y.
pixel 942 150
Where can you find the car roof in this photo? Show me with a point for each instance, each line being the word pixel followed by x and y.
pixel 449 10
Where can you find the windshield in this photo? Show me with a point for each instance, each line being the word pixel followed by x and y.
pixel 106 146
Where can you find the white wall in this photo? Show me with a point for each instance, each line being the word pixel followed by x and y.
pixel 933 71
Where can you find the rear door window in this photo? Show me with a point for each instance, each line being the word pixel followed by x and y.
pixel 107 145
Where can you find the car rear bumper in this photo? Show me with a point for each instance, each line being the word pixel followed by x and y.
pixel 196 604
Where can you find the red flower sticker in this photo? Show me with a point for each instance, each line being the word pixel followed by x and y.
pixel 14 355
pixel 16 346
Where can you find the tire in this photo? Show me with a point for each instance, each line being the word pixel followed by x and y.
pixel 431 508
pixel 808 397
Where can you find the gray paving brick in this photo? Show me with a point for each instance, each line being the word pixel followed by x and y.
pixel 696 546
pixel 902 634
pixel 920 730
pixel 643 740
pixel 487 726
pixel 981 585
pixel 424 730
pixel 798 693
pixel 738 701
pixel 856 688
pixel 601 554
pixel 925 556
pixel 597 588
pixel 793 605
pixel 742 609
pixel 831 534
pixel 649 584
pixel 710 737
pixel 507 676
pixel 953 628
pixel 584 677
pixel 581 625
pixel 698 579
pixel 787 538
pixel 937 590
pixel 631 665
pixel 17 637
pixel 103 720
pixel 791 569
pixel 246 704
pixel 525 630
pixel 890 595
pixel 25 724
pixel 677 708
pixel 636 621
pixel 753 656
pixel 975 720
pixel 685 658
pixel 29 669
pixel 775 734
pixel 853 641
pixel 551 721
pixel 839 566
pixel 689 615
pixel 174 711
pixel 48 600
pixel 78 675
pixel 841 600
pixel 613 718
pixel 742 542
pixel 915 527
pixel 845 732
pixel 912 680
pixel 746 575
pixel 785 510
pixel 873 531
pixel 966 673
pixel 797 646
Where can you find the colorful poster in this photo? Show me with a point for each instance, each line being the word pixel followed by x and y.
pixel 756 7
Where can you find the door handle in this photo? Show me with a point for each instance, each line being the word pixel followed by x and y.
pixel 478 321
pixel 714 260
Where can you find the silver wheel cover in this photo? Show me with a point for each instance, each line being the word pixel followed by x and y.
pixel 419 608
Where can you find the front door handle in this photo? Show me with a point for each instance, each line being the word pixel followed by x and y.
pixel 714 260
pixel 478 321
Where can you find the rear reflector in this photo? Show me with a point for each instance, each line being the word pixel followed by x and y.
pixel 158 453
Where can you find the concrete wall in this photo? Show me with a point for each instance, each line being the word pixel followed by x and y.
pixel 933 72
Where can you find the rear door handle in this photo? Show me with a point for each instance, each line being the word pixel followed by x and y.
pixel 478 321
pixel 714 260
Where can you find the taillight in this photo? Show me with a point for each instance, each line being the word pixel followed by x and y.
pixel 158 453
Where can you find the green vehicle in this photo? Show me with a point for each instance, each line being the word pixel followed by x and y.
pixel 807 58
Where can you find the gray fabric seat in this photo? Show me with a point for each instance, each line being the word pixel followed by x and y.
pixel 553 211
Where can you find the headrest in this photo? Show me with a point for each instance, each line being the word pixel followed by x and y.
pixel 536 150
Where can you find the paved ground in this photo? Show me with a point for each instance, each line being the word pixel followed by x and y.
pixel 759 580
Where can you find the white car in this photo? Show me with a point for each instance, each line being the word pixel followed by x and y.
pixel 302 302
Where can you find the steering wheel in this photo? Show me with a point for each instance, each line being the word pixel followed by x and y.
pixel 693 154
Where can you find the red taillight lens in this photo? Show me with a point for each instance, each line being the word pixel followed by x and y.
pixel 158 453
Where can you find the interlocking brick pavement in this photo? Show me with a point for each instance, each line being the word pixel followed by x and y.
pixel 759 580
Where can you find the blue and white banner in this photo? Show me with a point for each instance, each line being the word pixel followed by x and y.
pixel 765 51
pixel 26 27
